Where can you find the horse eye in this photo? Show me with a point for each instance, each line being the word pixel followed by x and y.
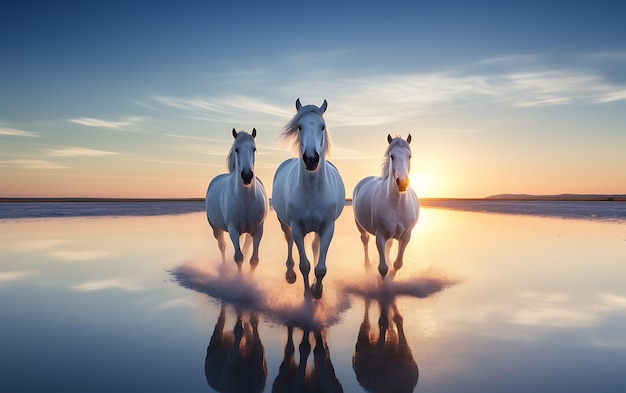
pixel 391 156
pixel 237 150
pixel 323 127
pixel 299 127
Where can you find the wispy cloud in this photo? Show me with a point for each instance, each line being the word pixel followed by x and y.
pixel 194 138
pixel 31 164
pixel 341 153
pixel 99 285
pixel 238 105
pixel 143 104
pixel 79 152
pixel 520 81
pixel 191 104
pixel 172 162
pixel 15 132
pixel 129 122
pixel 18 275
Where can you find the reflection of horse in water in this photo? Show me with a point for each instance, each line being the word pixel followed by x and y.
pixel 235 362
pixel 296 377
pixel 384 363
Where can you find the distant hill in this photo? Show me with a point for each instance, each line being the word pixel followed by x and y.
pixel 560 197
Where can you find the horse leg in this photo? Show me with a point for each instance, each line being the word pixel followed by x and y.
pixel 221 244
pixel 290 275
pixel 326 235
pixel 305 266
pixel 256 240
pixel 234 237
pixel 381 241
pixel 365 238
pixel 403 242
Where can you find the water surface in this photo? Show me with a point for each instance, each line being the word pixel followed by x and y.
pixel 484 302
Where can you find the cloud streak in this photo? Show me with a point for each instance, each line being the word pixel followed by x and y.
pixel 510 81
pixel 20 133
pixel 115 125
pixel 12 276
pixel 79 152
pixel 32 164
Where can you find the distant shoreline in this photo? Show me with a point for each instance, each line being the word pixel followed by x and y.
pixel 424 201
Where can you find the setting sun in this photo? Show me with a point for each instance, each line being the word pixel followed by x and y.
pixel 422 183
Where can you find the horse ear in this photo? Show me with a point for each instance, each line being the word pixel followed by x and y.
pixel 324 106
pixel 234 133
pixel 389 138
pixel 298 104
pixel 254 133
pixel 408 139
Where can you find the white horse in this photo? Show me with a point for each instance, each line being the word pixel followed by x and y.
pixel 386 206
pixel 308 194
pixel 236 202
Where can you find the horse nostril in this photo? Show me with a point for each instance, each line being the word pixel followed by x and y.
pixel 317 158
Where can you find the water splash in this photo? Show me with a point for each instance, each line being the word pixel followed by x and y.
pixel 279 302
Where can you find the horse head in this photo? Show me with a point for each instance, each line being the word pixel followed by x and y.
pixel 399 157
pixel 241 157
pixel 312 133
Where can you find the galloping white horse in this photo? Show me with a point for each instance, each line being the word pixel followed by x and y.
pixel 236 202
pixel 386 206
pixel 308 193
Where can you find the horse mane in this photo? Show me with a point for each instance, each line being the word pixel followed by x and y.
pixel 396 141
pixel 242 137
pixel 290 130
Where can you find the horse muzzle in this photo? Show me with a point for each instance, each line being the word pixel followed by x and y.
pixel 402 184
pixel 311 162
pixel 247 176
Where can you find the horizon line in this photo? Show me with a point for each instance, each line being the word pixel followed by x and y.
pixel 496 197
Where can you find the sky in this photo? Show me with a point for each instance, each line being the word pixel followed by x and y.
pixel 138 98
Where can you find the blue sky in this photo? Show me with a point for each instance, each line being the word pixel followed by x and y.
pixel 138 98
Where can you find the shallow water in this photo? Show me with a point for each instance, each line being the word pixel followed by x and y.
pixel 484 302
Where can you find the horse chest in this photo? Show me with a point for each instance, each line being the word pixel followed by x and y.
pixel 393 219
pixel 313 216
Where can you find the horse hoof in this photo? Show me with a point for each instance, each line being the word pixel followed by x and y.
pixel 383 270
pixel 290 276
pixel 316 290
